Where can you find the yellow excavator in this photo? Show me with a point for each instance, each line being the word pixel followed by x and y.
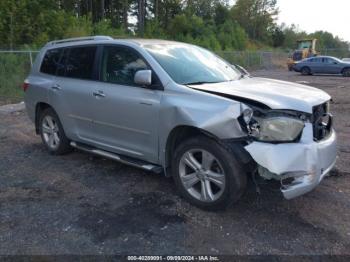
pixel 306 48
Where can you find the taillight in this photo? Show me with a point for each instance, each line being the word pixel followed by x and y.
pixel 25 86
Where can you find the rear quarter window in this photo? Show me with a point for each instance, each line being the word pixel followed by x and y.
pixel 51 61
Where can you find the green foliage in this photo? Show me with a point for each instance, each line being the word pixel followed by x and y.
pixel 327 43
pixel 80 26
pixel 13 70
pixel 214 24
pixel 232 36
pixel 221 14
pixel 104 27
pixel 257 17
pixel 278 37
pixel 327 40
pixel 153 29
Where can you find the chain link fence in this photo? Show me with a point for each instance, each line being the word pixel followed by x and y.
pixel 253 60
pixel 15 66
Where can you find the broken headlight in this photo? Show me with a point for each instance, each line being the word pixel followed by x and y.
pixel 276 129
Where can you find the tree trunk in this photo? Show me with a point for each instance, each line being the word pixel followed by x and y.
pixel 102 9
pixel 125 15
pixel 156 10
pixel 141 17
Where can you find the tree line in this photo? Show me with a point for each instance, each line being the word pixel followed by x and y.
pixel 214 24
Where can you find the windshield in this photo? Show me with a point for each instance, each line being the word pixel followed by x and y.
pixel 336 59
pixel 187 64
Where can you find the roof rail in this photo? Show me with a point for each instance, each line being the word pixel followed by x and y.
pixel 77 39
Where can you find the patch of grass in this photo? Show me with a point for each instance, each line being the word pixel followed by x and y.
pixel 14 68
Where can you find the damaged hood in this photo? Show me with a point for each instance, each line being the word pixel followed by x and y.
pixel 272 93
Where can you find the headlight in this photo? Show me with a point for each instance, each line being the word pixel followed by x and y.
pixel 277 129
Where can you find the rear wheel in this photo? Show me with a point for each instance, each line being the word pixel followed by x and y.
pixel 206 174
pixel 305 71
pixel 346 72
pixel 52 133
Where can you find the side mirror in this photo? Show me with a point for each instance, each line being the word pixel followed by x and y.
pixel 143 77
pixel 335 63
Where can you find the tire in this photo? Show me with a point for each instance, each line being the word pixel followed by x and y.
pixel 305 71
pixel 189 167
pixel 346 72
pixel 52 133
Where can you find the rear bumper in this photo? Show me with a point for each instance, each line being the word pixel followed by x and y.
pixel 302 164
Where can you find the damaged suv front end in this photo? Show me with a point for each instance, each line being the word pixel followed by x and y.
pixel 289 128
pixel 298 149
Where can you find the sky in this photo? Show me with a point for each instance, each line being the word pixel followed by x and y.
pixel 314 15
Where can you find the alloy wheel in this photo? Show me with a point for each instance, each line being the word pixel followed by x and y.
pixel 50 132
pixel 202 175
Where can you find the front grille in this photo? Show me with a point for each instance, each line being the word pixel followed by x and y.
pixel 322 121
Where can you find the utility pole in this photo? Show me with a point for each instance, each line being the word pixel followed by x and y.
pixel 142 11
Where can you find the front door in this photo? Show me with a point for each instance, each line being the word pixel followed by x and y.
pixel 126 115
pixel 332 66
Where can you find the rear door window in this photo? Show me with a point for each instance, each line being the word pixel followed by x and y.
pixel 51 61
pixel 80 62
pixel 61 68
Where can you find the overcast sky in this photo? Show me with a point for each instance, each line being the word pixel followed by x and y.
pixel 312 15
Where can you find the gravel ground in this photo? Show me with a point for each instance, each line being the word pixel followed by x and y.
pixel 82 204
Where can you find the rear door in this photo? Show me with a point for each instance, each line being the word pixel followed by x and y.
pixel 71 95
pixel 126 115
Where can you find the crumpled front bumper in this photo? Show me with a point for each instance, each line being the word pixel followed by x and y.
pixel 306 162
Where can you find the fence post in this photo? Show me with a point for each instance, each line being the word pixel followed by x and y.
pixel 260 59
pixel 31 59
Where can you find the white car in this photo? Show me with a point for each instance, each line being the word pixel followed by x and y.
pixel 346 59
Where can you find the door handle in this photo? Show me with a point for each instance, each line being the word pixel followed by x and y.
pixel 145 103
pixel 56 87
pixel 98 94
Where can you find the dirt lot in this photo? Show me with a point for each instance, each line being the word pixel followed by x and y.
pixel 82 204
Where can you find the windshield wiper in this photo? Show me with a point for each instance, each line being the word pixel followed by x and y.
pixel 200 83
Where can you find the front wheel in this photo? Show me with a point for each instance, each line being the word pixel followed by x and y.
pixel 206 174
pixel 346 72
pixel 305 71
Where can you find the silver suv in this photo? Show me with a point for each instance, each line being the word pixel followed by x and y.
pixel 180 110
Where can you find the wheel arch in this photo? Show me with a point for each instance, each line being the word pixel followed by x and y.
pixel 182 132
pixel 40 107
pixel 178 134
pixel 305 67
